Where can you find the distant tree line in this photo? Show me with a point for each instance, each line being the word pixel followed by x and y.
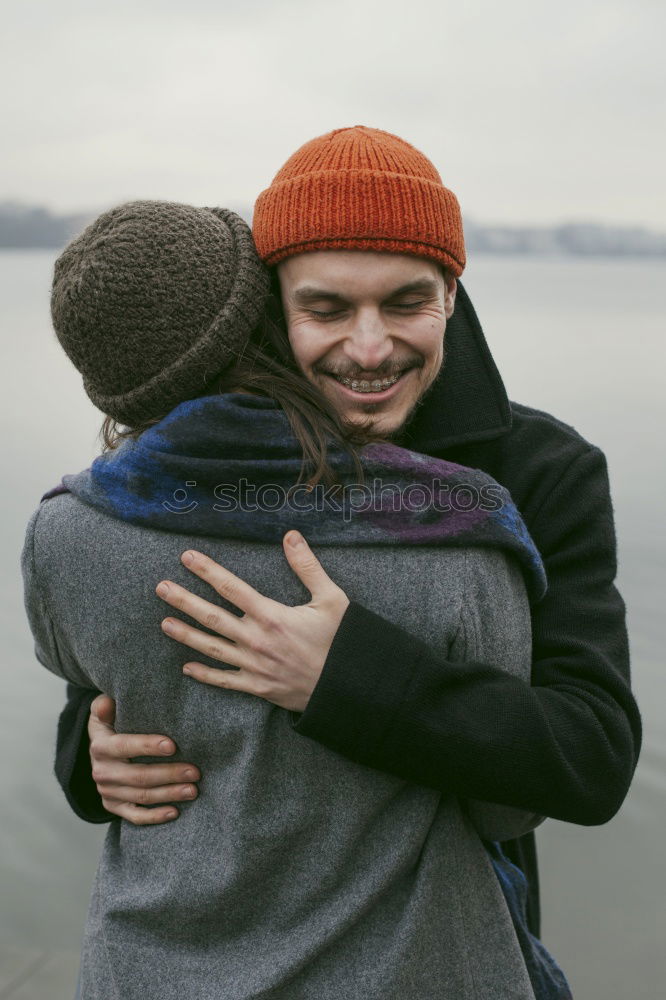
pixel 35 227
pixel 578 238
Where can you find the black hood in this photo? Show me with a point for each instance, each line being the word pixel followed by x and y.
pixel 468 401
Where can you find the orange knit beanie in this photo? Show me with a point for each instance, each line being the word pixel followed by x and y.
pixel 359 189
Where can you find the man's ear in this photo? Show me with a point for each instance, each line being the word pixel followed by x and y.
pixel 450 294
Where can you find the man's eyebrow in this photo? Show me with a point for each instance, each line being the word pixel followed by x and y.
pixel 427 286
pixel 309 293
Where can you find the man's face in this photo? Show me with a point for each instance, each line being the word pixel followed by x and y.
pixel 365 318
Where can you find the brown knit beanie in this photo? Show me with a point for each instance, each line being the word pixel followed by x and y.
pixel 153 300
pixel 359 189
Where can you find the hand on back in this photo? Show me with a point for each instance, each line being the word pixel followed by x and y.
pixel 127 789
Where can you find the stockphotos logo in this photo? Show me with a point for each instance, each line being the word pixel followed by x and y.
pixel 413 498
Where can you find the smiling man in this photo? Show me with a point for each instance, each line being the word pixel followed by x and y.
pixel 368 247
pixel 369 329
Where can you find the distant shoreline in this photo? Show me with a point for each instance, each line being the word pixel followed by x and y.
pixel 472 254
pixel 29 227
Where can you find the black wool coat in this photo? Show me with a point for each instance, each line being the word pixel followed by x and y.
pixel 564 746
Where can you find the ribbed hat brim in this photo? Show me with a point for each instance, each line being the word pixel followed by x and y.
pixel 359 209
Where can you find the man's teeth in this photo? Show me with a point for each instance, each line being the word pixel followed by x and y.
pixel 362 385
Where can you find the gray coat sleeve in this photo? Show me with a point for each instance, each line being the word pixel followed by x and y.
pixel 51 651
pixel 495 628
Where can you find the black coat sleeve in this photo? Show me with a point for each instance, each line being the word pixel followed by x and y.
pixel 73 767
pixel 566 745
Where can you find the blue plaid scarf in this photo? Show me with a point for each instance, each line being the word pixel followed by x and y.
pixel 227 465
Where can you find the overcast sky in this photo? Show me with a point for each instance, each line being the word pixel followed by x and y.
pixel 532 111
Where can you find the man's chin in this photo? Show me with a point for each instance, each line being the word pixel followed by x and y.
pixel 378 421
pixel 379 427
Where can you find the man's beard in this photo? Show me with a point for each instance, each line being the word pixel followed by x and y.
pixel 398 434
pixel 367 431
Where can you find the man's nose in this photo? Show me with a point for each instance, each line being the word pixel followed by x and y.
pixel 368 344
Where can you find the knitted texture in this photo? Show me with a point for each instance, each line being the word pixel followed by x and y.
pixel 153 300
pixel 359 189
pixel 227 464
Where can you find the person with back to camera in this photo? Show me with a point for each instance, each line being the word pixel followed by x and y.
pixel 296 872
pixel 565 746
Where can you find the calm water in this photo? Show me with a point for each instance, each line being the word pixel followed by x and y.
pixel 584 340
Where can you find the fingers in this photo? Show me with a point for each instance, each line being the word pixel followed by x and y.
pixel 139 815
pixel 104 741
pixel 228 586
pixel 122 746
pixel 110 775
pixel 228 679
pixel 210 645
pixel 147 796
pixel 133 791
pixel 102 715
pixel 307 567
pixel 210 615
pixel 103 707
pixel 127 790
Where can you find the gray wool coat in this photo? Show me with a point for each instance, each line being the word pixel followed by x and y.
pixel 296 873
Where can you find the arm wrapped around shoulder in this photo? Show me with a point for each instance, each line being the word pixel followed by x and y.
pixel 495 627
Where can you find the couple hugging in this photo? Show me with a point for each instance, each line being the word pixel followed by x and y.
pixel 367 706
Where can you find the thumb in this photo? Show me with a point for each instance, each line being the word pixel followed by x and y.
pixel 103 708
pixel 307 567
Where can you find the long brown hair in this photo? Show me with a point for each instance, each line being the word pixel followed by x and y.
pixel 266 365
